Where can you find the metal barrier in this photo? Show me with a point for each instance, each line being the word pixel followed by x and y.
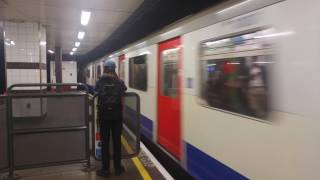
pixel 3 135
pixel 47 128
pixel 131 127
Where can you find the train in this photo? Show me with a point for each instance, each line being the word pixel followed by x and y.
pixel 231 92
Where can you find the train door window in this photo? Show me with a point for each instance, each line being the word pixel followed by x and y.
pixel 138 72
pixel 169 59
pixel 98 71
pixel 122 70
pixel 234 74
pixel 88 73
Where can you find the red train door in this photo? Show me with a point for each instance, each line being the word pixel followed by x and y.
pixel 169 96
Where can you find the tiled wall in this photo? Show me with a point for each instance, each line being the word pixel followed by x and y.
pixel 22 45
pixel 69 72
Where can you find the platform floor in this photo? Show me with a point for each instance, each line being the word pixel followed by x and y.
pixel 141 167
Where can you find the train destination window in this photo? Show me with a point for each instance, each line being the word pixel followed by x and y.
pixel 138 72
pixel 234 74
pixel 169 59
pixel 99 71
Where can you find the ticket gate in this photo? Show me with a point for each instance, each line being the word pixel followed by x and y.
pixel 43 128
pixel 131 127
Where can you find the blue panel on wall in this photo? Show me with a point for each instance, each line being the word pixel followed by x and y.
pixel 203 166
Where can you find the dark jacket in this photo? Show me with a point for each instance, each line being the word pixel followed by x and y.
pixel 104 79
pixel 117 113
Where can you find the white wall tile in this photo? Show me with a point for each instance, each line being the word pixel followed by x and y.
pixel 26 49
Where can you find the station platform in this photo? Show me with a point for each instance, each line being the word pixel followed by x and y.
pixel 145 167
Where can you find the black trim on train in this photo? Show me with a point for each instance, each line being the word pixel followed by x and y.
pixel 175 169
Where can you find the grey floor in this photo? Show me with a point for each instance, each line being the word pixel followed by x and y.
pixel 77 172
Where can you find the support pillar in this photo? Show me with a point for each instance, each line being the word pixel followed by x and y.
pixel 58 66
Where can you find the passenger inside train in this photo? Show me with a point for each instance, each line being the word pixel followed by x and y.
pixel 159 89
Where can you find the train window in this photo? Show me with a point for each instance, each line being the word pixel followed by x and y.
pixel 98 71
pixel 234 74
pixel 169 59
pixel 138 72
pixel 88 73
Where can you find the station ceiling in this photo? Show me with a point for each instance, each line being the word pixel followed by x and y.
pixel 62 19
pixel 113 23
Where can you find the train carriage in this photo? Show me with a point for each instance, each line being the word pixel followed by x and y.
pixel 229 93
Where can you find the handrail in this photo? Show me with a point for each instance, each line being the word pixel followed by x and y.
pixel 12 132
pixel 10 88
pixel 126 94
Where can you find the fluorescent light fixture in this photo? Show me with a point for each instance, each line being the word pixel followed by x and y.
pixel 4 34
pixel 77 44
pixel 43 43
pixel 85 17
pixel 81 35
pixel 12 43
pixel 232 7
pixel 274 35
pixel 50 51
pixel 74 49
pixel 71 53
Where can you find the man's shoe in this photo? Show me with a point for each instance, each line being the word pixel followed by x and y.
pixel 103 173
pixel 118 172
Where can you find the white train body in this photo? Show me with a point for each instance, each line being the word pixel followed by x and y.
pixel 283 146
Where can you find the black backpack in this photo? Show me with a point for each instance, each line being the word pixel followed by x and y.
pixel 110 95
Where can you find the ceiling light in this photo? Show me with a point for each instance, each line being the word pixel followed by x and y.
pixel 43 43
pixel 85 17
pixel 77 44
pixel 74 49
pixel 12 43
pixel 71 53
pixel 81 35
pixel 50 51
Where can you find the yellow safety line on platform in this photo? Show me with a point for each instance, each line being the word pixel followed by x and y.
pixel 144 173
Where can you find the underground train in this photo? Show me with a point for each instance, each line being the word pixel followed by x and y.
pixel 231 92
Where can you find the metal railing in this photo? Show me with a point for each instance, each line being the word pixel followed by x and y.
pixel 131 125
pixel 3 135
pixel 15 133
pixel 21 130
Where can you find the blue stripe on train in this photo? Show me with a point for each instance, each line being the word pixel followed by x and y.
pixel 146 127
pixel 202 166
